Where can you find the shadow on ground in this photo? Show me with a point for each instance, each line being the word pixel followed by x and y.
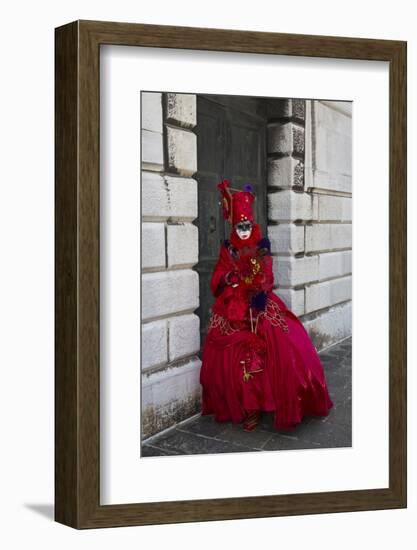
pixel 203 435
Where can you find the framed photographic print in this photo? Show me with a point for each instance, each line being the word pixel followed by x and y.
pixel 230 274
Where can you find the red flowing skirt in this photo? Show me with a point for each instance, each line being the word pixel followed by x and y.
pixel 291 383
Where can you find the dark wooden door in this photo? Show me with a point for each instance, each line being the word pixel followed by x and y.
pixel 231 143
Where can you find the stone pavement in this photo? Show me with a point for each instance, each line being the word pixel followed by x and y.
pixel 203 435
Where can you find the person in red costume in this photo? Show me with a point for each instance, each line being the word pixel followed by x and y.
pixel 257 355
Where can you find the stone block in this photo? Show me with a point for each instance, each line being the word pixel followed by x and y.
pixel 290 271
pixel 168 198
pixel 331 326
pixel 328 293
pixel 332 146
pixel 169 396
pixel 331 182
pixel 285 172
pixel 333 152
pixel 335 264
pixel 154 344
pixel 298 140
pixel 181 109
pixel 333 208
pixel 294 299
pixel 299 174
pixel 339 154
pixel 320 147
pixel 286 139
pixel 286 108
pixel 182 244
pixel 279 138
pixel 315 207
pixel 184 336
pixel 151 109
pixel 334 116
pixel 298 108
pixel 168 292
pixel 182 151
pixel 152 151
pixel 344 107
pixel 328 237
pixel 153 245
pixel 290 206
pixel 286 238
pixel 278 108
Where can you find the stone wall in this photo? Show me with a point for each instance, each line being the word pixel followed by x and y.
pixel 309 224
pixel 309 211
pixel 170 338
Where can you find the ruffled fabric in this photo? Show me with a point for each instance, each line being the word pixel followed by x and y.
pixel 291 384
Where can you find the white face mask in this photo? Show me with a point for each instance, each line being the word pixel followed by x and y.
pixel 244 232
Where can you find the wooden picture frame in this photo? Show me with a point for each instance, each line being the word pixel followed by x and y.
pixel 77 359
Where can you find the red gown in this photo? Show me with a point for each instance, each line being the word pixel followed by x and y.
pixel 266 362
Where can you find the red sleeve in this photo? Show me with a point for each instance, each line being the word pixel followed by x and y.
pixel 223 266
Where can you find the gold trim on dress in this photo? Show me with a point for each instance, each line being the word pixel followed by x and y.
pixel 274 315
pixel 218 321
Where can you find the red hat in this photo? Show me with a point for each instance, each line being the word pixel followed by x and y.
pixel 237 206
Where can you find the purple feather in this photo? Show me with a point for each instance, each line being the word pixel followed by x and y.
pixel 248 188
pixel 265 245
pixel 259 300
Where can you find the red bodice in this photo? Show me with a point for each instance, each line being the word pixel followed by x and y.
pixel 251 268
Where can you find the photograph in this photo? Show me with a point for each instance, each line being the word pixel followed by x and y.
pixel 246 273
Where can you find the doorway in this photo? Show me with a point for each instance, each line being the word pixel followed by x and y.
pixel 231 143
